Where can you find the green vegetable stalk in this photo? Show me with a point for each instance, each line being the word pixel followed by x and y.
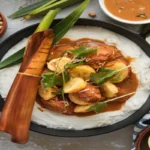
pixel 60 30
pixel 47 20
pixel 50 5
pixel 18 56
pixel 26 10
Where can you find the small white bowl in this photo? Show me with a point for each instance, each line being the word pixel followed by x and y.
pixel 108 13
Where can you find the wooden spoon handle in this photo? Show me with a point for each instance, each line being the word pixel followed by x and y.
pixel 17 111
pixel 18 107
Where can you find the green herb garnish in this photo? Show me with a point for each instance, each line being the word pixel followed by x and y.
pixel 83 51
pixel 98 107
pixel 50 79
pixel 66 75
pixel 72 65
pixel 104 75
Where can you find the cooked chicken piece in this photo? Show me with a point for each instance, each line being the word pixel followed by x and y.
pixel 110 90
pixel 88 95
pixel 116 65
pixel 57 51
pixel 59 106
pixel 104 54
pixel 122 91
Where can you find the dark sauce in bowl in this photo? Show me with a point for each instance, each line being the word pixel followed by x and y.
pixel 142 140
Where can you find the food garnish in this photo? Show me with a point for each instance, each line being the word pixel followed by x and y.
pixel 104 75
pixel 102 105
pixel 83 51
pixel 50 79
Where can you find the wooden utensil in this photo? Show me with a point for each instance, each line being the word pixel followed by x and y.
pixel 16 114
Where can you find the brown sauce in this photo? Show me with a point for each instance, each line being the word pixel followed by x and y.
pixel 129 85
pixel 144 142
pixel 134 10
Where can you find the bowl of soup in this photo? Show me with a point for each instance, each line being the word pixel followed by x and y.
pixel 127 11
pixel 143 141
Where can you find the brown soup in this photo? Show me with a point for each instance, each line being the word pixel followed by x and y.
pixel 134 10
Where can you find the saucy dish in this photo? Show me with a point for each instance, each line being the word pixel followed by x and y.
pixel 82 76
pixel 92 78
pixel 134 10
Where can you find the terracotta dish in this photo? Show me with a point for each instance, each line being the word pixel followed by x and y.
pixel 3 24
pixel 142 141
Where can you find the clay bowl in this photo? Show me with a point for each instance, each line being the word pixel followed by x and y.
pixel 3 24
pixel 142 141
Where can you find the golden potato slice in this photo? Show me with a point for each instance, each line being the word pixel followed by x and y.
pixel 82 109
pixel 82 71
pixel 116 65
pixel 110 90
pixel 74 85
pixel 47 93
pixel 76 100
pixel 58 64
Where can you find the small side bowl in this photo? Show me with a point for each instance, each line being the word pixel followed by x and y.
pixel 3 30
pixel 108 13
pixel 140 139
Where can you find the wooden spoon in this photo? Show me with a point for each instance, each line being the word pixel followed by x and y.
pixel 3 24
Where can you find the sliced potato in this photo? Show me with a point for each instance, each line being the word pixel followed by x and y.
pixel 74 85
pixel 82 71
pixel 58 64
pixel 82 109
pixel 110 90
pixel 47 93
pixel 76 100
pixel 116 65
